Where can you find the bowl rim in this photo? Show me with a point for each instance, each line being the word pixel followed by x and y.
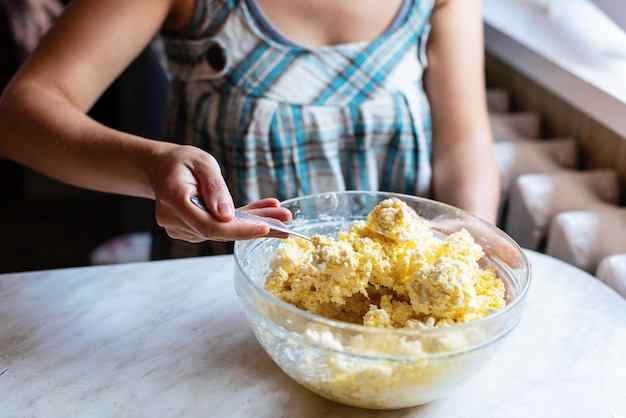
pixel 334 323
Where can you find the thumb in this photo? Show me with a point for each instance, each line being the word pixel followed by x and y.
pixel 217 198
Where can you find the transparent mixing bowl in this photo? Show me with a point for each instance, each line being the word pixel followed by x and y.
pixel 377 368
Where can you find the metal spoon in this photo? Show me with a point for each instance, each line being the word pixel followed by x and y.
pixel 197 200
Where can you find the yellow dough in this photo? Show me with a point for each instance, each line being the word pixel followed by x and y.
pixel 390 271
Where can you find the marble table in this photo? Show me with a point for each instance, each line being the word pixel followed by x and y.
pixel 169 339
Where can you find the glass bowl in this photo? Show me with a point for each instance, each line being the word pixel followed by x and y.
pixel 368 367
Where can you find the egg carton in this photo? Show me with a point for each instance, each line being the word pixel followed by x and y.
pixel 612 271
pixel 515 126
pixel 585 238
pixel 498 100
pixel 536 198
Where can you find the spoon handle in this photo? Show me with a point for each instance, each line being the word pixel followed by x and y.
pixel 197 200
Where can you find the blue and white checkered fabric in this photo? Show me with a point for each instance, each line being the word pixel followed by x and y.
pixel 285 121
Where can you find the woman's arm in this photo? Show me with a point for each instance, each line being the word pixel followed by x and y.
pixel 43 110
pixel 44 123
pixel 464 168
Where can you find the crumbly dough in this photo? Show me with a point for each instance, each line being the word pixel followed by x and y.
pixel 390 271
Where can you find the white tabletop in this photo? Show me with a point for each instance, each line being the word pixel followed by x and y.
pixel 169 339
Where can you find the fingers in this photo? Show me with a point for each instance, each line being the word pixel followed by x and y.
pixel 207 227
pixel 182 173
pixel 269 208
pixel 233 229
pixel 193 224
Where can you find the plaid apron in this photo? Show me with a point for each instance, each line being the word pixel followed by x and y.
pixel 285 121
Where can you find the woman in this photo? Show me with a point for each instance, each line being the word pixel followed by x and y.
pixel 287 97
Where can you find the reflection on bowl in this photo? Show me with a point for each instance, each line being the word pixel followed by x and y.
pixel 377 368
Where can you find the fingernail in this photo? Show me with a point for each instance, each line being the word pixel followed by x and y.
pixel 225 209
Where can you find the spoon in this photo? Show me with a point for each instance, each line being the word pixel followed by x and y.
pixel 197 200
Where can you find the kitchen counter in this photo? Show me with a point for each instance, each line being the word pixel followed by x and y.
pixel 170 339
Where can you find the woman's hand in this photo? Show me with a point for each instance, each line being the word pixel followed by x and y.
pixel 181 172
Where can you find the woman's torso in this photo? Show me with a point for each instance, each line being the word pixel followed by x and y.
pixel 285 120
